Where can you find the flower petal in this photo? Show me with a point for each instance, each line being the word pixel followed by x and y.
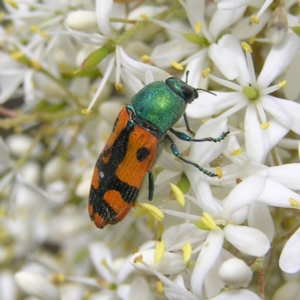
pixel 171 263
pixel 285 111
pixel 260 218
pixel 279 58
pixel 236 295
pixel 276 194
pixel 206 259
pixel 246 239
pixel 243 194
pixel 207 105
pixel 289 261
pixel 288 175
pixel 230 59
pixel 222 19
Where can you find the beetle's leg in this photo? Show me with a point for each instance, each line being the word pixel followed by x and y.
pixel 187 125
pixel 185 137
pixel 176 152
pixel 151 185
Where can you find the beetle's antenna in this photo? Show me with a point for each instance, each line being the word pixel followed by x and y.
pixel 206 91
pixel 187 76
pixel 186 81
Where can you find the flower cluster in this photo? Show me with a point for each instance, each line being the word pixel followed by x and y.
pixel 66 70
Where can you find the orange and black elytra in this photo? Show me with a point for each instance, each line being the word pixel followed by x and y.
pixel 134 145
pixel 127 156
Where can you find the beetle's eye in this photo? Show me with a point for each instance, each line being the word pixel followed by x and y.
pixel 188 93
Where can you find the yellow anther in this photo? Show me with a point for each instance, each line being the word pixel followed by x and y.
pixel 144 16
pixel 35 64
pixel 60 278
pixel 160 287
pixel 159 231
pixel 294 203
pixel 145 58
pixel 246 47
pixel 12 3
pixel 177 65
pixel 119 86
pixel 178 194
pixel 159 251
pixel 104 263
pixel 255 20
pixel 138 259
pixel 282 84
pixel 209 221
pixel 43 34
pixel 206 72
pixel 153 210
pixel 86 111
pixel 206 222
pixel 264 126
pixel 2 15
pixel 252 40
pixel 237 151
pixel 187 252
pixel 34 29
pixel 17 55
pixel 198 27
pixel 219 172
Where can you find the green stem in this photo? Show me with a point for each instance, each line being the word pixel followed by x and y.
pixel 8 123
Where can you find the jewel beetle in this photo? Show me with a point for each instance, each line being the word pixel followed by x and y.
pixel 134 145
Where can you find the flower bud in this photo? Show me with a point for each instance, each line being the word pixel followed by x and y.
pixel 82 20
pixel 278 26
pixel 235 273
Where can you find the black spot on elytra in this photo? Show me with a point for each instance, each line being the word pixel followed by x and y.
pixel 142 153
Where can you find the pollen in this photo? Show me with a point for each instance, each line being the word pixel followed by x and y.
pixel 145 58
pixel 153 210
pixel 236 152
pixel 294 203
pixel 138 259
pixel 144 16
pixel 12 3
pixel 209 221
pixel 17 55
pixel 187 252
pixel 43 34
pixel 206 222
pixel 86 111
pixel 264 126
pixel 255 20
pixel 198 27
pixel 35 64
pixel 219 172
pixel 177 65
pixel 206 72
pixel 246 47
pixel 159 251
pixel 119 86
pixel 34 29
pixel 282 84
pixel 178 194
pixel 160 287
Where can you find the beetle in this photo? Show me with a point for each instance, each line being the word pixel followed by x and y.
pixel 134 145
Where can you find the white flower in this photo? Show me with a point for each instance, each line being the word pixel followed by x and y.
pixel 37 285
pixel 262 132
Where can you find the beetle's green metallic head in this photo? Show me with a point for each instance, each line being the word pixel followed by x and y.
pixel 161 104
pixel 182 89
